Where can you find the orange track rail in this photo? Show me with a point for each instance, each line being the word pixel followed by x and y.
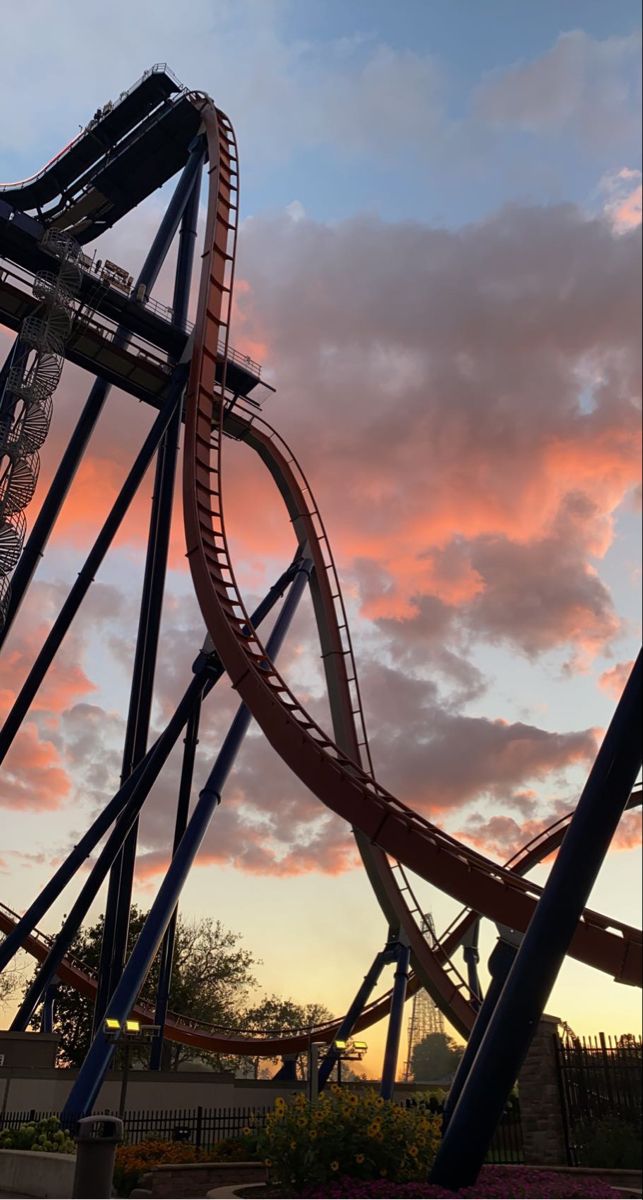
pixel 324 767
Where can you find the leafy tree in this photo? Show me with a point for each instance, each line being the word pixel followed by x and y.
pixel 435 1057
pixel 276 1014
pixel 211 981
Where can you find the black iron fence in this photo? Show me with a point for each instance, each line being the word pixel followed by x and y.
pixel 600 1087
pixel 200 1126
pixel 506 1144
pixel 204 1126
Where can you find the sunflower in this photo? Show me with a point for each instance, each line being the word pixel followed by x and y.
pixel 359 1158
pixel 334 1166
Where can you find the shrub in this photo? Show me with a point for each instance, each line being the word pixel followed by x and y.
pixel 133 1161
pixel 611 1142
pixel 346 1134
pixel 46 1135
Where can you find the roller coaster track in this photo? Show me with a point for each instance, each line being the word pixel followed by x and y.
pixel 218 1039
pixel 390 836
pixel 326 768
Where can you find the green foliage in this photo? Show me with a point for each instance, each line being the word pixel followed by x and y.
pixel 344 1133
pixel 436 1057
pixel 211 980
pixel 46 1135
pixel 611 1142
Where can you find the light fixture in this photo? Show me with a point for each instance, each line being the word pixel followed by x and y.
pixel 111 1025
pixel 360 1046
pixel 339 1045
pixel 132 1026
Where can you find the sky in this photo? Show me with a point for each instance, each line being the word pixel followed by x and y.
pixel 439 271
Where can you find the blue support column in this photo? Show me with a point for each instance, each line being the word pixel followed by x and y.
pixel 392 1048
pixel 119 896
pixel 96 555
pixel 90 1077
pixel 544 946
pixel 49 1007
pixel 472 958
pixel 167 947
pixel 348 1024
pixel 77 444
pixel 500 964
pixel 125 805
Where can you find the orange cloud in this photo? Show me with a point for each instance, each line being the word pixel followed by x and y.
pixel 614 680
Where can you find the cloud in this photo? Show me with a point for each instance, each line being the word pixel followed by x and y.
pixel 613 680
pixel 33 776
pixel 509 349
pixel 623 198
pixel 582 85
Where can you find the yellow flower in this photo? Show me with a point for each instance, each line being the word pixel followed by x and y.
pixel 379 1102
pixel 293 1145
pixel 267 1162
pixel 246 1129
pixel 359 1158
pixel 413 1151
pixel 334 1166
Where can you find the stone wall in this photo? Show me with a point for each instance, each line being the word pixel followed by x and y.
pixel 541 1112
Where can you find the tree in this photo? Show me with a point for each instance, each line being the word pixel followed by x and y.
pixel 211 981
pixel 275 1014
pixel 435 1058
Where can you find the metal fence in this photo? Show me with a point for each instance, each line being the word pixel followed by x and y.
pixel 600 1083
pixel 506 1144
pixel 200 1126
pixel 204 1126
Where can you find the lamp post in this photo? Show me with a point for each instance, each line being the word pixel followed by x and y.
pixel 133 1034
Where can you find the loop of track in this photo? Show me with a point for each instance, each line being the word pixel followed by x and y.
pixel 326 769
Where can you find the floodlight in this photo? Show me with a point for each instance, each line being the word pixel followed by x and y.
pixel 339 1045
pixel 132 1026
pixel 111 1025
pixel 360 1046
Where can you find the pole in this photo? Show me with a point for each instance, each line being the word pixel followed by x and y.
pixel 53 502
pixel 544 945
pixel 92 1072
pixel 124 1078
pixel 119 896
pixel 392 1048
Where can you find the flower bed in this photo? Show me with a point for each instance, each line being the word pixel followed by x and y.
pixel 345 1134
pixel 503 1183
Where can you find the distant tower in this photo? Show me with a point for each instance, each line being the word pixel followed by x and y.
pixel 426 1017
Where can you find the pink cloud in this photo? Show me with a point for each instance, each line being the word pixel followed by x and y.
pixel 613 681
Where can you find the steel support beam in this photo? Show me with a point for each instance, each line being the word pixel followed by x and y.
pixel 382 958
pixel 53 501
pixel 92 1072
pixel 169 939
pixel 394 1033
pixel 119 896
pixel 96 555
pixel 125 806
pixel 544 946
pixel 500 964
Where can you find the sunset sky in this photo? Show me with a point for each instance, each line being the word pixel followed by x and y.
pixel 439 269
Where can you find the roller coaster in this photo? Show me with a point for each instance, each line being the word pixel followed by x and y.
pixel 64 304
